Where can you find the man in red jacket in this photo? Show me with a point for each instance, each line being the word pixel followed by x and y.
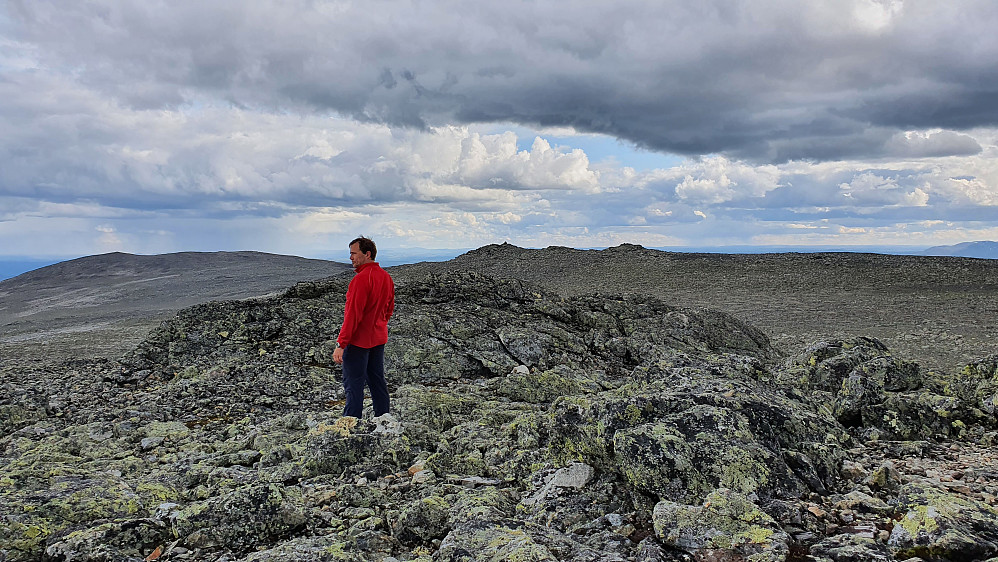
pixel 360 346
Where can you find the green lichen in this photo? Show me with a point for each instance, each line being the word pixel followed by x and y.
pixel 155 493
pixel 920 518
pixel 632 414
pixel 727 524
pixel 25 537
pixel 169 430
pixel 742 471
pixel 540 386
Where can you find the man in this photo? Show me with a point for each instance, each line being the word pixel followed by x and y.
pixel 360 346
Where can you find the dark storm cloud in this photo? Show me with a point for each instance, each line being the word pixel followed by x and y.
pixel 770 81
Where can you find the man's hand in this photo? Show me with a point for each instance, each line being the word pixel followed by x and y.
pixel 338 355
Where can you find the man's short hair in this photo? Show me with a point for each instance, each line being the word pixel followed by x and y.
pixel 366 245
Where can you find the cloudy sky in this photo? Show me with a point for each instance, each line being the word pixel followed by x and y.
pixel 291 126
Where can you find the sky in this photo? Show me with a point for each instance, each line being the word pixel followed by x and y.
pixel 293 126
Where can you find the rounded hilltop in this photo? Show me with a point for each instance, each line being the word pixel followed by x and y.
pixel 934 309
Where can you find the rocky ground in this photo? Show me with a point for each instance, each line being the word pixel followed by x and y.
pixel 103 306
pixel 526 425
pixel 939 311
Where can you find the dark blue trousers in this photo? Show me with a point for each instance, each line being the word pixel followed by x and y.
pixel 363 366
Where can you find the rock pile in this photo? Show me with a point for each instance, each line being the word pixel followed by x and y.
pixel 525 426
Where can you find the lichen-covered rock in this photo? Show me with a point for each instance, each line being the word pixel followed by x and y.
pixel 683 440
pixel 727 526
pixel 936 524
pixel 486 540
pixel 879 396
pixel 824 365
pixel 423 520
pixel 850 548
pixel 523 424
pixel 241 519
pixel 978 385
pixel 122 540
pixel 338 443
pixel 308 549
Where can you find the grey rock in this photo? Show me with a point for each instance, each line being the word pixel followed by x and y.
pixel 151 442
pixel 524 424
pixel 575 475
pixel 728 525
pixel 850 548
pixel 933 522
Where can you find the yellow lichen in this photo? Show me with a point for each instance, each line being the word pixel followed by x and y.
pixel 341 426
pixel 920 518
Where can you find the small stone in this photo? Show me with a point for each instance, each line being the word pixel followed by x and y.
pixel 883 536
pixel 864 531
pixel 624 530
pixel 885 477
pixel 817 511
pixel 151 443
pixel 476 481
pixel 388 424
pixel 959 488
pixel 417 466
pixel 575 475
pixel 852 470
pixel 422 477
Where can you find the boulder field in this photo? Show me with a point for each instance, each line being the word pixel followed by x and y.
pixel 525 426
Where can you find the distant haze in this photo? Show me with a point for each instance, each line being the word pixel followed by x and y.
pixel 983 249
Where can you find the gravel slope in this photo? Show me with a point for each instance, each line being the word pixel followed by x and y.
pixel 102 306
pixel 939 311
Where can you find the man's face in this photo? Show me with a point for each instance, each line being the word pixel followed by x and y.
pixel 357 258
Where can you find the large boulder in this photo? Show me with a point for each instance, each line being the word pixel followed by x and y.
pixel 935 524
pixel 726 526
pixel 879 396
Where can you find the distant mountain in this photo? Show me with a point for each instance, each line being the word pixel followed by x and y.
pixel 14 267
pixel 115 298
pixel 981 249
pixel 937 310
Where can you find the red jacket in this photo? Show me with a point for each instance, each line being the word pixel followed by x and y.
pixel 370 303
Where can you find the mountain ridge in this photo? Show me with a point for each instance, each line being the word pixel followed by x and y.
pixel 939 310
pixel 983 249
pixel 102 304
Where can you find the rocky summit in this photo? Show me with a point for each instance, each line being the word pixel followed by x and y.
pixel 525 426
